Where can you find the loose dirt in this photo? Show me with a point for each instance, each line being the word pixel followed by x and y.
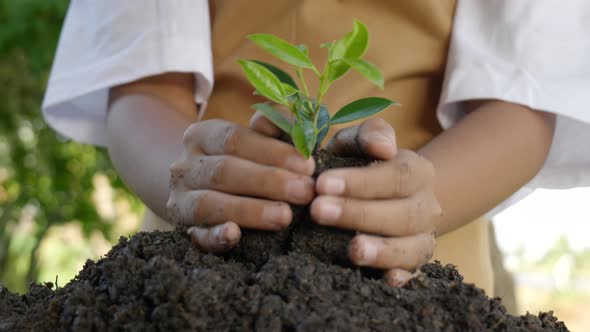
pixel 296 280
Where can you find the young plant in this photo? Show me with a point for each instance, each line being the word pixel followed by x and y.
pixel 311 119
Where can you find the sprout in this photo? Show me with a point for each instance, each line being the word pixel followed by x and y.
pixel 311 120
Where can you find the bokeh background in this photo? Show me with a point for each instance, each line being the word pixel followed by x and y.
pixel 62 203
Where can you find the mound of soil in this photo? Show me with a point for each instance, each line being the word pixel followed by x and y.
pixel 160 281
pixel 295 280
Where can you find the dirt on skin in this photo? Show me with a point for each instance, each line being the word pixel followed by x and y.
pixel 299 280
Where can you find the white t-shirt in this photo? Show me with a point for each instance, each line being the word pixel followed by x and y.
pixel 531 52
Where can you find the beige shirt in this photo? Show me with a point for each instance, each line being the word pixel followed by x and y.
pixel 408 42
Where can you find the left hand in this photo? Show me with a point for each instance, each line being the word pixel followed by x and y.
pixel 390 202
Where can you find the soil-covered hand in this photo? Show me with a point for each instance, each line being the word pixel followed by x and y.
pixel 390 202
pixel 229 177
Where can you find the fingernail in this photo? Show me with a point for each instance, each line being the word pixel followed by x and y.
pixel 276 215
pixel 301 165
pixel 299 190
pixel 218 235
pixel 382 146
pixel 367 253
pixel 380 137
pixel 333 185
pixel 329 212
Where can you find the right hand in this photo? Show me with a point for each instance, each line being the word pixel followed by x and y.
pixel 229 176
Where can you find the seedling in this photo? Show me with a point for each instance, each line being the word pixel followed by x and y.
pixel 311 119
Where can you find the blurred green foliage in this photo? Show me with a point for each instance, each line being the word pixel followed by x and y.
pixel 45 180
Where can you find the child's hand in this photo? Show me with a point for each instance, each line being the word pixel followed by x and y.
pixel 393 200
pixel 230 176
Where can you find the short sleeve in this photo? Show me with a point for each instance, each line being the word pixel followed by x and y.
pixel 110 42
pixel 530 52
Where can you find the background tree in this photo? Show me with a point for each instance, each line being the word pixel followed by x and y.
pixel 45 180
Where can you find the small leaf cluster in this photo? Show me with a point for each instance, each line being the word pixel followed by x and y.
pixel 311 119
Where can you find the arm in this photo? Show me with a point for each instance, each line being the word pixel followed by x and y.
pixel 145 123
pixel 496 149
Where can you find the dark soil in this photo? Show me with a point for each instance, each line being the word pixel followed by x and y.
pixel 303 235
pixel 160 281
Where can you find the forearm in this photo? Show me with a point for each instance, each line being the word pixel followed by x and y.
pixel 145 125
pixel 487 156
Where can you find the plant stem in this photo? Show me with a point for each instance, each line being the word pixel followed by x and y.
pixel 316 71
pixel 321 92
pixel 326 125
pixel 294 111
pixel 302 80
pixel 323 81
pixel 304 84
pixel 321 89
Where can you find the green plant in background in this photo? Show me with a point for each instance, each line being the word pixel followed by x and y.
pixel 45 180
pixel 311 118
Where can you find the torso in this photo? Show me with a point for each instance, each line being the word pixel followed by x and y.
pixel 408 42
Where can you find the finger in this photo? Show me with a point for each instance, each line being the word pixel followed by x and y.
pixel 402 176
pixel 217 239
pixel 219 137
pixel 399 278
pixel 207 208
pixel 406 253
pixel 396 217
pixel 260 124
pixel 374 138
pixel 243 177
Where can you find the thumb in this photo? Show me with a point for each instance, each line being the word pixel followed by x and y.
pixel 376 139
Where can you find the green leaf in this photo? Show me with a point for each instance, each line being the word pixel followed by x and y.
pixel 303 49
pixel 352 46
pixel 370 71
pixel 361 108
pixel 336 70
pixel 289 90
pixel 303 97
pixel 299 140
pixel 310 136
pixel 305 119
pixel 323 119
pixel 305 109
pixel 264 81
pixel 282 49
pixel 274 116
pixel 283 76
